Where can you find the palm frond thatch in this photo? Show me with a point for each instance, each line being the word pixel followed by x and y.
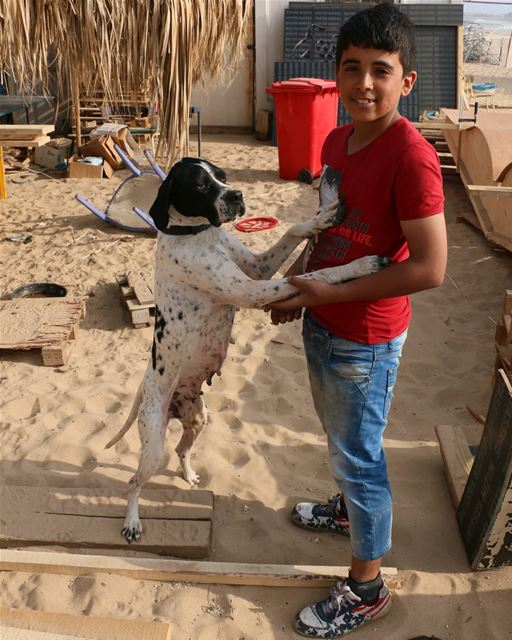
pixel 107 46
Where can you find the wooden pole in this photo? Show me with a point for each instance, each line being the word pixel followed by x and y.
pixel 3 187
pixel 76 107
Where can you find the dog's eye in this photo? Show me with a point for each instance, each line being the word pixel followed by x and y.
pixel 203 187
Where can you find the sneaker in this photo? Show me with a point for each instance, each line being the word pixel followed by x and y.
pixel 331 515
pixel 340 613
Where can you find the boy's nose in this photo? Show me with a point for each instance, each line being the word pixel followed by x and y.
pixel 365 82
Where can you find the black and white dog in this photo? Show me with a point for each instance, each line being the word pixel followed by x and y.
pixel 202 274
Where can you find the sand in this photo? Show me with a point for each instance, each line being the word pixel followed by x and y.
pixel 263 448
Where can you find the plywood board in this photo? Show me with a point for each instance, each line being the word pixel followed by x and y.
pixel 232 573
pixel 485 506
pixel 27 624
pixel 33 323
pixel 482 153
pixel 93 519
pixel 456 456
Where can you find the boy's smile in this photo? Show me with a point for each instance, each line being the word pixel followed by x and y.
pixel 371 82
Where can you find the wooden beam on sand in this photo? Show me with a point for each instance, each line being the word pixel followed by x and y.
pixel 456 456
pixel 160 569
pixel 25 624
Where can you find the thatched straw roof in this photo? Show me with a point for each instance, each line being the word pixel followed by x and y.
pixel 162 46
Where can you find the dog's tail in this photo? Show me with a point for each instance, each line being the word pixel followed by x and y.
pixel 129 420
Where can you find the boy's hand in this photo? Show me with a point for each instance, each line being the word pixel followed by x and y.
pixel 312 293
pixel 282 317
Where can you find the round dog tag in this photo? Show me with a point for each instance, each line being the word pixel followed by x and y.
pixel 249 225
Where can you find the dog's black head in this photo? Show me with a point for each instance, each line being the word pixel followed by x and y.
pixel 197 190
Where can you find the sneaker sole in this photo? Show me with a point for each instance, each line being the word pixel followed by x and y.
pixel 381 614
pixel 319 527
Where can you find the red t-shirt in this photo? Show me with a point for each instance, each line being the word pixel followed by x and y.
pixel 396 177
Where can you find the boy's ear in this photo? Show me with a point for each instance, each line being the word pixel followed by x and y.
pixel 408 82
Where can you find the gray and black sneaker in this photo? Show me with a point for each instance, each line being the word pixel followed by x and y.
pixel 329 516
pixel 342 612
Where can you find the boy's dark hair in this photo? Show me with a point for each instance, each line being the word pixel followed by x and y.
pixel 380 27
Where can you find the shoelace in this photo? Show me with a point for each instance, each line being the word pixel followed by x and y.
pixel 341 594
pixel 334 504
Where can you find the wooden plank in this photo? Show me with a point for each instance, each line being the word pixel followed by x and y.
pixel 232 573
pixel 484 509
pixel 493 189
pixel 181 538
pixel 165 504
pixel 139 313
pixel 3 186
pixel 23 131
pixel 78 626
pixel 35 142
pixel 93 518
pixel 456 456
pixel 142 291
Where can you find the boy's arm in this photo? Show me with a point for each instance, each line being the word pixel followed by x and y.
pixel 424 269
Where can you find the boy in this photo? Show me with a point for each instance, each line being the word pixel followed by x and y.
pixel 354 332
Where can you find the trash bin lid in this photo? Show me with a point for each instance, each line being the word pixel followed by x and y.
pixel 302 85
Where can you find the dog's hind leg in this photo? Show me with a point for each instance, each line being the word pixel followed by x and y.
pixel 152 428
pixel 193 416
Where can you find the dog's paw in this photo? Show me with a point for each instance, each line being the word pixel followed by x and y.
pixel 371 264
pixel 332 216
pixel 191 477
pixel 132 531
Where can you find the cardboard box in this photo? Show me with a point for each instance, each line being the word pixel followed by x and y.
pixel 104 147
pixel 121 135
pixel 51 157
pixel 82 170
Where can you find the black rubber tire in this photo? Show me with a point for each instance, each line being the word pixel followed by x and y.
pixel 39 290
pixel 305 176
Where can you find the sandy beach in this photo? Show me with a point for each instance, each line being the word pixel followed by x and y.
pixel 263 448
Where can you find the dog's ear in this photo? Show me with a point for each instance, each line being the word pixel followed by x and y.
pixel 159 210
pixel 219 173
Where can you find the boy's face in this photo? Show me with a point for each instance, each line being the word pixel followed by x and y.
pixel 371 82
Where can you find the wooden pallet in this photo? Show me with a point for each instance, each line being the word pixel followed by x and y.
pixel 175 523
pixel 48 324
pixel 138 296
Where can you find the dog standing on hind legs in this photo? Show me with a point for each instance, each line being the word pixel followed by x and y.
pixel 202 273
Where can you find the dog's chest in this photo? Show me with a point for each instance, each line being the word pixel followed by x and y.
pixel 192 329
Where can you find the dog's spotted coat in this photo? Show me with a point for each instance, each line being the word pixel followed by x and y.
pixel 202 274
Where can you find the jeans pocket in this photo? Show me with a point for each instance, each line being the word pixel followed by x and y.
pixel 390 385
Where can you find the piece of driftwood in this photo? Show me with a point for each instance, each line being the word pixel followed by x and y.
pixel 232 573
pixel 48 324
pixel 137 293
pixel 482 153
pixel 27 624
pixel 177 523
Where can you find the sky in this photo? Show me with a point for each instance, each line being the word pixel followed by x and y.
pixel 487 7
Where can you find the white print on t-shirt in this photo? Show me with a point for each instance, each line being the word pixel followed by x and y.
pixel 352 229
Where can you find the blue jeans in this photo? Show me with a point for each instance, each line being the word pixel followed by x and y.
pixel 352 387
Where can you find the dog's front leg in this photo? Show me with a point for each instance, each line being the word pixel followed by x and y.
pixel 265 265
pixel 227 283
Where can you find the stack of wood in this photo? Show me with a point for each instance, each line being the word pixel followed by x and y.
pixel 503 339
pixel 431 128
pixel 24 135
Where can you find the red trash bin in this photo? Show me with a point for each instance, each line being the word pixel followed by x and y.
pixel 306 110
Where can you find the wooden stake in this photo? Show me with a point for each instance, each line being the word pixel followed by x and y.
pixel 3 188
